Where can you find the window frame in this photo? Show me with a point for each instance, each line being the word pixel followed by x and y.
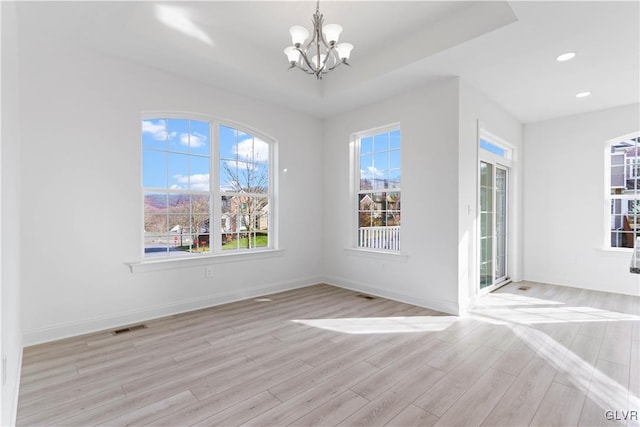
pixel 215 193
pixel 355 141
pixel 609 198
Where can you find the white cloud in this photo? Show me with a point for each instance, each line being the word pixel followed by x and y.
pixel 375 171
pixel 197 139
pixel 199 181
pixel 157 129
pixel 253 149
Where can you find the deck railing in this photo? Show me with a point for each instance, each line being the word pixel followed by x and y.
pixel 387 238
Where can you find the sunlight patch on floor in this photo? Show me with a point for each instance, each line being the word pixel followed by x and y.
pixel 382 325
pixel 604 391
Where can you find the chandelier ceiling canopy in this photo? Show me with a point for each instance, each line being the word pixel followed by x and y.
pixel 321 53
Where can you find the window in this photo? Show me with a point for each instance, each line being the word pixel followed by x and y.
pixel 378 189
pixel 201 172
pixel 623 161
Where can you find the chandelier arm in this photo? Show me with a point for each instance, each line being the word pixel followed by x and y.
pixel 296 65
pixel 336 65
pixel 306 60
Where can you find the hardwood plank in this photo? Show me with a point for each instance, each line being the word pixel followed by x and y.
pixel 406 364
pixel 607 391
pixel 331 367
pixel 243 411
pixel 578 367
pixel 478 401
pixel 228 397
pixel 306 402
pixel 515 358
pixel 389 404
pixel 53 414
pixel 442 395
pixel 520 403
pixel 413 416
pixel 561 406
pixel 142 416
pixel 333 411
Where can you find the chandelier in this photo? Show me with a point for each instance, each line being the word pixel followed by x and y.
pixel 322 53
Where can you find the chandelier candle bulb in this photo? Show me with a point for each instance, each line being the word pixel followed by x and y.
pixel 298 35
pixel 332 32
pixel 344 50
pixel 292 53
pixel 321 53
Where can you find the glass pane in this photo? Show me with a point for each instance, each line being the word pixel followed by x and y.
pixel 201 243
pixel 228 139
pixel 262 178
pixel 381 142
pixel 365 202
pixel 394 139
pixel 492 148
pixel 200 177
pixel 200 215
pixel 394 159
pixel 200 137
pixel 366 145
pixel 179 203
pixel 178 171
pixel 155 203
pixel 501 222
pixel 261 151
pixel 393 218
pixel 154 133
pixel 178 134
pixel 364 219
pixel 394 178
pixel 366 175
pixel 486 174
pixel 154 169
pixel 379 201
pixel 381 161
pixel 228 175
pixel 393 201
pixel 155 224
pixel 180 230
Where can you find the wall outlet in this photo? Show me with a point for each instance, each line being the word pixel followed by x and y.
pixel 208 272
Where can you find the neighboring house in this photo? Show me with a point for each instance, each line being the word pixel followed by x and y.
pixel 242 214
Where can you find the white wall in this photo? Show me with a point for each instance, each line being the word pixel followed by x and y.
pixel 476 107
pixel 11 343
pixel 564 210
pixel 82 201
pixel 427 276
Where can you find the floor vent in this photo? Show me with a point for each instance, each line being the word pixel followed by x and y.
pixel 365 296
pixel 524 288
pixel 129 329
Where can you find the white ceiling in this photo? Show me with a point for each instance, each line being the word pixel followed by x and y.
pixel 505 49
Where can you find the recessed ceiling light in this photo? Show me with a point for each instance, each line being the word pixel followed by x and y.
pixel 565 56
pixel 582 94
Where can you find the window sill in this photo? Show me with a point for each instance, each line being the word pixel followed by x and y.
pixel 616 250
pixel 175 263
pixel 381 255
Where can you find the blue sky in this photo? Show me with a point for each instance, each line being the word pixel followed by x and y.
pixel 187 165
pixel 380 157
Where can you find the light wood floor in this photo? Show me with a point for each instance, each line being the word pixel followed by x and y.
pixel 326 356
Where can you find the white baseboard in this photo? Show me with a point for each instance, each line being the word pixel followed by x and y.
pixel 70 329
pixel 14 408
pixel 448 307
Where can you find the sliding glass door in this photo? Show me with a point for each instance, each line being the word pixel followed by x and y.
pixel 493 225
